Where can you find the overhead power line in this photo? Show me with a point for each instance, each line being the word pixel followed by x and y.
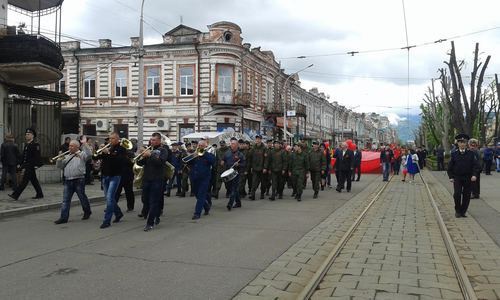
pixel 355 52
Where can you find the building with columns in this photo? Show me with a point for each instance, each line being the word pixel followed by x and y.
pixel 194 81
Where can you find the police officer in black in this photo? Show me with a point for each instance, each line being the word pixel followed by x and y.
pixel 463 169
pixel 31 160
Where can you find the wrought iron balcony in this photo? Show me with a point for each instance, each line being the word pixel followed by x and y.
pixel 30 59
pixel 300 110
pixel 274 108
pixel 230 99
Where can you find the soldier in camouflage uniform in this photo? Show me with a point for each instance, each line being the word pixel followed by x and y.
pixel 257 163
pixel 317 167
pixel 298 166
pixel 277 166
pixel 243 147
pixel 219 154
pixel 266 177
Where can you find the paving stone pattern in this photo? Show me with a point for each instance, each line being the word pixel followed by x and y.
pixel 286 277
pixel 397 252
pixel 479 254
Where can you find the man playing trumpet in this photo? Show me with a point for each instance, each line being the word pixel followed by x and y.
pixel 73 167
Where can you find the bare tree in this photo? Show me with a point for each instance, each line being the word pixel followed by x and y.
pixel 464 109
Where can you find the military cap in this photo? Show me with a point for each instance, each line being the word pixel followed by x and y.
pixel 315 143
pixel 240 141
pixel 258 136
pixel 462 137
pixel 277 142
pixel 222 142
pixel 247 142
pixel 31 130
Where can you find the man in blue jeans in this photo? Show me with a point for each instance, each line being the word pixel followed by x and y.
pixel 73 167
pixel 114 160
pixel 386 156
pixel 154 163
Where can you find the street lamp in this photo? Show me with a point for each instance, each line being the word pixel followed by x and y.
pixel 284 98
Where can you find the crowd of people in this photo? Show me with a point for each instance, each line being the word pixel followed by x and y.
pixel 246 169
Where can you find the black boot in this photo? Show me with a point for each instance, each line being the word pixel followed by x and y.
pixel 315 195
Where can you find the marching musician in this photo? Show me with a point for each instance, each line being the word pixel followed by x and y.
pixel 234 158
pixel 154 163
pixel 220 167
pixel 201 172
pixel 176 159
pixel 114 159
pixel 73 168
pixel 127 182
pixel 31 160
pixel 186 170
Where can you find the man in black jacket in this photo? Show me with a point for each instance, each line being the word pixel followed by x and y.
pixel 356 164
pixel 31 160
pixel 463 169
pixel 9 153
pixel 154 162
pixel 344 165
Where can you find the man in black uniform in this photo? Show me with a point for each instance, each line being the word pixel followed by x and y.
pixel 30 162
pixel 463 169
pixel 344 165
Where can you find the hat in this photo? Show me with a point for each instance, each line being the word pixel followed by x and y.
pixel 277 142
pixel 462 137
pixel 31 130
pixel 214 145
pixel 240 141
pixel 222 142
pixel 258 136
pixel 178 143
pixel 194 142
pixel 315 143
pixel 247 142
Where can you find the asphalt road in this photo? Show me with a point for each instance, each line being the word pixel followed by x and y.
pixel 212 258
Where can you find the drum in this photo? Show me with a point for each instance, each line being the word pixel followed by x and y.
pixel 229 175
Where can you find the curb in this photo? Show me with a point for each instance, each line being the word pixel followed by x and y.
pixel 48 206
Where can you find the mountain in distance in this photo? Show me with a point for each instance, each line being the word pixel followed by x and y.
pixel 405 132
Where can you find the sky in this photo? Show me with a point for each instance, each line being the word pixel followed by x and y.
pixel 323 31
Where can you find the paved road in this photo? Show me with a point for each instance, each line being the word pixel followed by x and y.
pixel 212 258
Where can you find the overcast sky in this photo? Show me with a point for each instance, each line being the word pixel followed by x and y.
pixel 366 82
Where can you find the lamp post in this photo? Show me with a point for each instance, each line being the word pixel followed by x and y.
pixel 284 98
pixel 140 106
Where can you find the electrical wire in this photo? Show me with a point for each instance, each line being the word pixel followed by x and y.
pixel 355 52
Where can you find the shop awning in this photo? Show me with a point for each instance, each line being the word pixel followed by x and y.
pixel 37 94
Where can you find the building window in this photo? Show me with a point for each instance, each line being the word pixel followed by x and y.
pixel 89 84
pixel 185 129
pixel 153 81
pixel 225 84
pixel 121 83
pixel 186 79
pixel 61 86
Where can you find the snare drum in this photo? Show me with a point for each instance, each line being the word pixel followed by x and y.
pixel 229 175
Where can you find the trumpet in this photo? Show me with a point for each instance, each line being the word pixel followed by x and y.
pixel 127 144
pixel 135 159
pixel 199 152
pixel 53 159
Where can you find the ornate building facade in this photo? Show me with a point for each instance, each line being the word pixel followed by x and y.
pixel 194 81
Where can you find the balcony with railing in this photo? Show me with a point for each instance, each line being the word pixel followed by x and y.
pixel 30 60
pixel 230 99
pixel 300 110
pixel 274 108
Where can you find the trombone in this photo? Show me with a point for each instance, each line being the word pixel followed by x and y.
pixel 127 144
pixel 53 159
pixel 139 156
pixel 199 152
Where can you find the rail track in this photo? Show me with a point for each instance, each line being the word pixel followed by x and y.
pixel 464 283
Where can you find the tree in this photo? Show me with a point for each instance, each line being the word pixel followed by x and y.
pixel 436 114
pixel 464 109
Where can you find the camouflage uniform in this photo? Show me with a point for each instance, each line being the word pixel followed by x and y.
pixel 277 166
pixel 298 165
pixel 317 167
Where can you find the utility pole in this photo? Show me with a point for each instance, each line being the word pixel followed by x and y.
pixel 140 108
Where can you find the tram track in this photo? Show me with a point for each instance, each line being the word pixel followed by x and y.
pixel 466 289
